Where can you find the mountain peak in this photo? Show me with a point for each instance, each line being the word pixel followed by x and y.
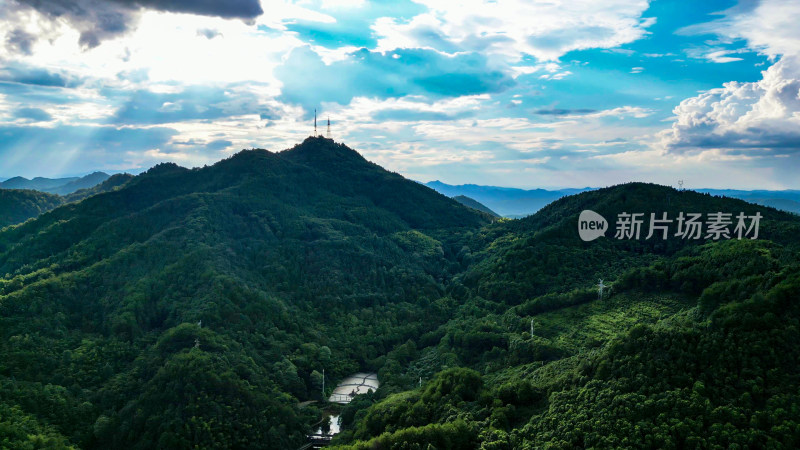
pixel 164 168
pixel 318 149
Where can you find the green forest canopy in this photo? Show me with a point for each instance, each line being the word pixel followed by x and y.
pixel 195 308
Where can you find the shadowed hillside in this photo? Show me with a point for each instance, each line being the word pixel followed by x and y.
pixel 198 308
pixel 218 295
pixel 17 205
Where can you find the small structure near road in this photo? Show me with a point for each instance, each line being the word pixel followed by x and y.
pixel 359 383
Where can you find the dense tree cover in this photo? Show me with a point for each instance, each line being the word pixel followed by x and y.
pixel 109 184
pixel 17 205
pixel 728 383
pixel 196 308
pixel 472 203
pixel 693 347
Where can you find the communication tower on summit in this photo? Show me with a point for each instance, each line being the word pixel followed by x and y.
pixel 316 131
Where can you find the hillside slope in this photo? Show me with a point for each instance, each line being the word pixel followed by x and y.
pixel 474 204
pixel 197 307
pixel 86 182
pixel 17 205
pixel 671 355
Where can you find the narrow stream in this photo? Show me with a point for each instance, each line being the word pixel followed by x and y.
pixel 358 383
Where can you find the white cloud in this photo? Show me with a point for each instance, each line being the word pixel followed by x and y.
pixel 511 29
pixel 721 56
pixel 166 46
pixel 764 115
pixel 760 118
pixel 769 26
pixel 556 76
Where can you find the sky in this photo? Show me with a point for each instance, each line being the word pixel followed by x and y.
pixel 526 94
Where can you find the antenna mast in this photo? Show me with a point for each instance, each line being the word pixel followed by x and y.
pixel 315 122
pixel 329 127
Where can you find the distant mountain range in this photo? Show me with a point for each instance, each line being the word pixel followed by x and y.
pixel 206 308
pixel 507 202
pixel 60 186
pixel 19 205
pixel 517 203
pixel 788 200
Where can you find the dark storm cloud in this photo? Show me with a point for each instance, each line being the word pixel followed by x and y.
pixel 102 19
pixel 229 9
pixel 21 41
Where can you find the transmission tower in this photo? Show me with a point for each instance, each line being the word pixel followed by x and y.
pixel 600 288
pixel 680 185
pixel 329 127
pixel 315 122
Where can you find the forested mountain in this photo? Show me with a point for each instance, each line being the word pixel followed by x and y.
pixel 110 183
pixel 37 184
pixel 474 204
pixel 197 308
pixel 513 202
pixel 18 205
pixel 60 186
pixel 690 346
pixel 87 182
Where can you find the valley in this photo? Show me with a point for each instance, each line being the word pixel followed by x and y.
pixel 218 307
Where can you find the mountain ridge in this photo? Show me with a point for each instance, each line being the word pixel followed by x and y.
pixel 60 186
pixel 344 260
pixel 199 307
